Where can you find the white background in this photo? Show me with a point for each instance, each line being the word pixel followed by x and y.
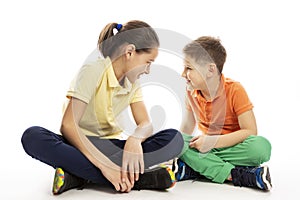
pixel 44 43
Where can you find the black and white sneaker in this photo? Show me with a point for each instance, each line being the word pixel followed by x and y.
pixel 158 178
pixel 183 171
pixel 257 177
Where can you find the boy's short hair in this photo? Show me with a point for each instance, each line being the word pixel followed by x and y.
pixel 206 49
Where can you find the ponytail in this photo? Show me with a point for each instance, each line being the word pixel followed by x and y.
pixel 106 35
pixel 134 32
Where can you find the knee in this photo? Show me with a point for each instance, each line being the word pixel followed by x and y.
pixel 179 142
pixel 175 134
pixel 260 148
pixel 175 139
pixel 29 136
pixel 169 134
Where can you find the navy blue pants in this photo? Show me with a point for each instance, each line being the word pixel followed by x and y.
pixel 54 150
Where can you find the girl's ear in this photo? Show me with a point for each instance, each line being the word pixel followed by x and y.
pixel 129 50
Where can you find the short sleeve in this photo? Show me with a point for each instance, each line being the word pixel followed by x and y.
pixel 240 100
pixel 84 85
pixel 138 94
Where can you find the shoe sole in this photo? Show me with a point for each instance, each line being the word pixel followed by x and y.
pixel 266 178
pixel 58 181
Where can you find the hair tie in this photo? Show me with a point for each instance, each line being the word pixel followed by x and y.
pixel 119 26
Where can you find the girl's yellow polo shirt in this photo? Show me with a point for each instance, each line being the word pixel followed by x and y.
pixel 97 85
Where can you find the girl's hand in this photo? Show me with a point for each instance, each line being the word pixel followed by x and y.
pixel 112 173
pixel 133 161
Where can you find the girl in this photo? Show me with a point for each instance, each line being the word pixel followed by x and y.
pixel 91 148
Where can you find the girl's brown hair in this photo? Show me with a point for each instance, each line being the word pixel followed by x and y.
pixel 133 32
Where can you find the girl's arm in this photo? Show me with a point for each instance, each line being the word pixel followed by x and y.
pixel 71 131
pixel 144 126
pixel 133 161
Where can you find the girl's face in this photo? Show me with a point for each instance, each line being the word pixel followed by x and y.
pixel 139 64
pixel 194 75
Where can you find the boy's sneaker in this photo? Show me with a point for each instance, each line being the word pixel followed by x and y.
pixel 158 178
pixel 183 171
pixel 257 177
pixel 64 181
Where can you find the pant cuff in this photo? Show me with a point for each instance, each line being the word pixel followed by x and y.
pixel 224 173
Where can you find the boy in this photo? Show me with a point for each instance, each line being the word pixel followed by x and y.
pixel 229 148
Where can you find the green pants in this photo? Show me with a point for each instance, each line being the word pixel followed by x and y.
pixel 218 163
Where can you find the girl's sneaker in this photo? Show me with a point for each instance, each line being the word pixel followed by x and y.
pixel 158 178
pixel 64 181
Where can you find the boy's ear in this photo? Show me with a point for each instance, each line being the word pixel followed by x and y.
pixel 211 69
pixel 130 49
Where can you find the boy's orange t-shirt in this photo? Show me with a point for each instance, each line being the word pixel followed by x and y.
pixel 219 116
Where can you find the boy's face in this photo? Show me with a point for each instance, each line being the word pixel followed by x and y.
pixel 194 75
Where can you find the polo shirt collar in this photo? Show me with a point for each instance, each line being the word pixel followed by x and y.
pixel 126 88
pixel 221 90
pixel 113 81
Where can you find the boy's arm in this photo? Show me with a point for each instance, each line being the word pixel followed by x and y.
pixel 205 143
pixel 248 127
pixel 188 123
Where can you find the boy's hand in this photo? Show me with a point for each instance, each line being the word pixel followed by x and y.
pixel 196 142
pixel 203 143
